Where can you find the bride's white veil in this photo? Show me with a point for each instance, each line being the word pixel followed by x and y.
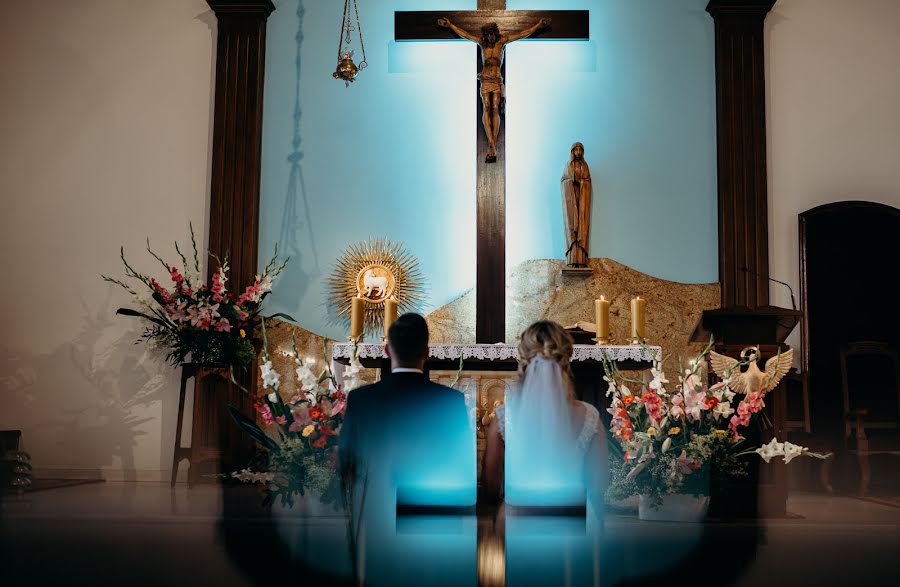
pixel 542 463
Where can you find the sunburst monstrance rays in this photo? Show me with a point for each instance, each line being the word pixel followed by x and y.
pixel 366 268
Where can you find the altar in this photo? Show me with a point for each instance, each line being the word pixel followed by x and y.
pixel 587 361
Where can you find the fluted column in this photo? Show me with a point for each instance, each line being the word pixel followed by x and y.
pixel 217 444
pixel 237 134
pixel 741 142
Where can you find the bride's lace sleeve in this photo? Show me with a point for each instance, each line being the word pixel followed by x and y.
pixel 589 429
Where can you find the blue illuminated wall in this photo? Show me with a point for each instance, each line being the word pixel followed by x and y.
pixel 393 155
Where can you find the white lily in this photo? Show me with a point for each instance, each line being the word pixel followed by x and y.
pixel 611 389
pixel 772 449
pixel 306 377
pixel 723 410
pixel 273 397
pixel 667 443
pixel 659 378
pixel 792 451
pixel 270 377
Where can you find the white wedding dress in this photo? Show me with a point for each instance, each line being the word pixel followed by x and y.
pixel 544 463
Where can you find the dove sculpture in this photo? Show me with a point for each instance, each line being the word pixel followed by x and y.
pixel 752 380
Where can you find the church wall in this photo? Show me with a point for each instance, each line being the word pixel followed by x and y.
pixel 833 128
pixel 106 118
pixel 393 155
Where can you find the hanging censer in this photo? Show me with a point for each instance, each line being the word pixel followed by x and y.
pixel 346 69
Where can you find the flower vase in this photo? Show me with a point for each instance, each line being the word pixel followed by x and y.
pixel 674 508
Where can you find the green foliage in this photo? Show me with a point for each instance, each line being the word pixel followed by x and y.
pixel 251 428
pixel 707 461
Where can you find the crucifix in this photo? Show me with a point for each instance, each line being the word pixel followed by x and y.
pixel 478 26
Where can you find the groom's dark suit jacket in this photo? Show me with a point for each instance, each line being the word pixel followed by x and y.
pixel 414 433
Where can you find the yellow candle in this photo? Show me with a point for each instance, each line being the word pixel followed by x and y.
pixel 391 306
pixel 601 312
pixel 357 317
pixel 638 318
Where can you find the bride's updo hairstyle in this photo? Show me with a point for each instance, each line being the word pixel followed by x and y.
pixel 547 340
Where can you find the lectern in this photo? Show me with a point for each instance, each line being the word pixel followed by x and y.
pixel 734 329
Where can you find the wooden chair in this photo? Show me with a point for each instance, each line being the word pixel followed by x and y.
pixel 798 423
pixel 871 420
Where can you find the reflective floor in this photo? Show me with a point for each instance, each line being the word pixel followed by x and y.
pixel 149 534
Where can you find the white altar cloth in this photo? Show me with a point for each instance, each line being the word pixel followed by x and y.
pixel 506 352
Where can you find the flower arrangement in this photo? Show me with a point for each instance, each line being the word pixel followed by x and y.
pixel 301 434
pixel 189 317
pixel 679 442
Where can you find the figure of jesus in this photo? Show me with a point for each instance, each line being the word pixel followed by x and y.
pixel 492 45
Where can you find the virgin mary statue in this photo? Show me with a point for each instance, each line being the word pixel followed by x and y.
pixel 576 195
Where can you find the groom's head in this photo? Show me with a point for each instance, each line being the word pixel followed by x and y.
pixel 408 342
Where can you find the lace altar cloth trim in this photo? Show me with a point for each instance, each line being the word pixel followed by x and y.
pixel 505 352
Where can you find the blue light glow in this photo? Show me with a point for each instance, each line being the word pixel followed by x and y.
pixel 394 155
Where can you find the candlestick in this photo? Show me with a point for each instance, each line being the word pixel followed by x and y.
pixel 601 317
pixel 357 317
pixel 638 319
pixel 391 306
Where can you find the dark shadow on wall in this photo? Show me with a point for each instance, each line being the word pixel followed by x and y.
pixel 296 224
pixel 82 402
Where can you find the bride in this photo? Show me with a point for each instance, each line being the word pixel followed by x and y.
pixel 544 447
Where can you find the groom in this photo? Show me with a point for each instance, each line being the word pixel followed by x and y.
pixel 409 432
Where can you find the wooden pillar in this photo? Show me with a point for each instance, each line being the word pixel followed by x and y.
pixel 741 142
pixel 237 135
pixel 233 214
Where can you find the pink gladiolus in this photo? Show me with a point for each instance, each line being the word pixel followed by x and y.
pixel 738 421
pixel 281 420
pixel 677 411
pixel 265 413
pixel 223 326
pixel 755 402
pixel 252 293
pixel 218 281
pixel 167 298
pixel 177 277
pixel 654 406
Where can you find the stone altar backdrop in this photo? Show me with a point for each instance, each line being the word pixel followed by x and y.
pixel 537 290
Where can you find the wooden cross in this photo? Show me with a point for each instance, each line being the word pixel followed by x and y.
pixel 490 275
